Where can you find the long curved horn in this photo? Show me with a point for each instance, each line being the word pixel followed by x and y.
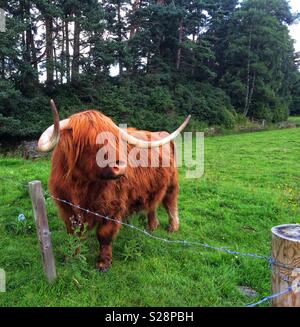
pixel 154 144
pixel 50 137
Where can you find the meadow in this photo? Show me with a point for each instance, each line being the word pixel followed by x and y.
pixel 251 183
pixel 295 120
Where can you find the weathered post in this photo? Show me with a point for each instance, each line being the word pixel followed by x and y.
pixel 286 267
pixel 44 235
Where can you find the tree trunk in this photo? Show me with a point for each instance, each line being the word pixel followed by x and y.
pixel 148 64
pixel 193 57
pixel 29 79
pixel 251 93
pixel 33 51
pixel 180 38
pixel 55 67
pixel 25 82
pixel 76 53
pixel 49 50
pixel 246 108
pixel 120 57
pixel 67 50
pixel 62 61
pixel 134 27
pixel 162 41
pixel 31 55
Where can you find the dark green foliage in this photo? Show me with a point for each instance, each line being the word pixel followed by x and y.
pixel 259 59
pixel 213 59
pixel 295 105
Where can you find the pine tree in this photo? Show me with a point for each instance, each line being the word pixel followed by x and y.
pixel 258 59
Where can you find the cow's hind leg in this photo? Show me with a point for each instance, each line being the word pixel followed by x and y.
pixel 106 231
pixel 170 203
pixel 153 222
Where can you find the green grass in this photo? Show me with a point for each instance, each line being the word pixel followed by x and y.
pixel 251 183
pixel 295 120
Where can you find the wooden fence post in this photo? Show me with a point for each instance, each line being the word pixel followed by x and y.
pixel 44 235
pixel 286 252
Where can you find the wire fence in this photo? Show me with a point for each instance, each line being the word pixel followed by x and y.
pixel 265 258
pixel 273 296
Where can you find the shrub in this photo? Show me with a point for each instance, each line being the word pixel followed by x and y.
pixel 280 113
pixel 146 103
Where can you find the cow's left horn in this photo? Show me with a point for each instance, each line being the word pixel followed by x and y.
pixel 153 144
pixel 50 137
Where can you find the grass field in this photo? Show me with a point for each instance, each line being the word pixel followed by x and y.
pixel 295 120
pixel 251 183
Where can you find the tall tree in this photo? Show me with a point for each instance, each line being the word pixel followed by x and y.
pixel 258 58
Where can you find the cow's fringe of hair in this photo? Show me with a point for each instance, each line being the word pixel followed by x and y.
pixel 82 132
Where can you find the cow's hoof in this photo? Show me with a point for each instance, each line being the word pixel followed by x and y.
pixel 102 266
pixel 173 228
pixel 153 226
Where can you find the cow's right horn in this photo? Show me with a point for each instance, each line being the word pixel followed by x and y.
pixel 50 137
pixel 152 144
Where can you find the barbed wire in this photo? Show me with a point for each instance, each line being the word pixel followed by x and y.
pixel 270 297
pixel 272 262
pixel 268 259
pixel 183 242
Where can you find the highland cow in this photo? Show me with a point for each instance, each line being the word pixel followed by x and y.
pixel 82 175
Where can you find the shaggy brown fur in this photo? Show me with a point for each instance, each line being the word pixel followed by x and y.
pixel 76 177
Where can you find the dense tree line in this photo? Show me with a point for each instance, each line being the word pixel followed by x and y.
pixel 220 60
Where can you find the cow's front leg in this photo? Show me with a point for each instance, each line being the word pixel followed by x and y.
pixel 106 232
pixel 153 222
